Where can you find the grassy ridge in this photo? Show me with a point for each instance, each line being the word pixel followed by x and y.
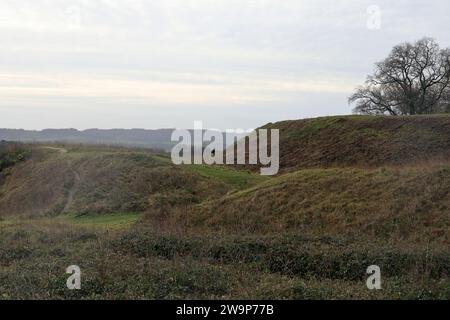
pixel 362 141
pixel 102 181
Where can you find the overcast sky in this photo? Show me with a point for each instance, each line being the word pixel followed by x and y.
pixel 165 63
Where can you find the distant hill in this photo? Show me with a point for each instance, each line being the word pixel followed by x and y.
pixel 156 139
pixel 159 139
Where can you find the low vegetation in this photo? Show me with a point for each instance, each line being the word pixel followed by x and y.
pixel 353 192
pixel 140 264
pixel 11 154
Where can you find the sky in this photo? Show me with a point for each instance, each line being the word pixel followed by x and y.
pixel 167 63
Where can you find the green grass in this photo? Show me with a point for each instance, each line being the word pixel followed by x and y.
pixel 237 179
pixel 163 158
pixel 110 221
pixel 11 154
pixel 6 221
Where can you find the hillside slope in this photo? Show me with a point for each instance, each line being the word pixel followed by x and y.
pixel 89 181
pixel 103 180
pixel 387 204
pixel 362 141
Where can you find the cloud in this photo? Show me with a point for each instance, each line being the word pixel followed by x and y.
pixel 187 54
pixel 163 89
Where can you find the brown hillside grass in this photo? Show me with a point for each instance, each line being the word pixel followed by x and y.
pixel 34 186
pixel 110 181
pixel 362 141
pixel 387 204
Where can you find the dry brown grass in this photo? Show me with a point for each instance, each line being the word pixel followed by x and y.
pixel 100 182
pixel 391 204
pixel 362 141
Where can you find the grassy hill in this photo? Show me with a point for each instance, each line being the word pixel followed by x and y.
pixel 363 141
pixel 353 191
pixel 410 204
pixel 94 180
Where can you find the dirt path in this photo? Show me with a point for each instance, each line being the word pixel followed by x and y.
pixel 61 150
pixel 76 178
pixel 73 189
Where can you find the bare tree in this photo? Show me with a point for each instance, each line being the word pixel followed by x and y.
pixel 413 79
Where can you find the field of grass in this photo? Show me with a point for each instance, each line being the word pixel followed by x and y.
pixel 353 192
pixel 135 263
